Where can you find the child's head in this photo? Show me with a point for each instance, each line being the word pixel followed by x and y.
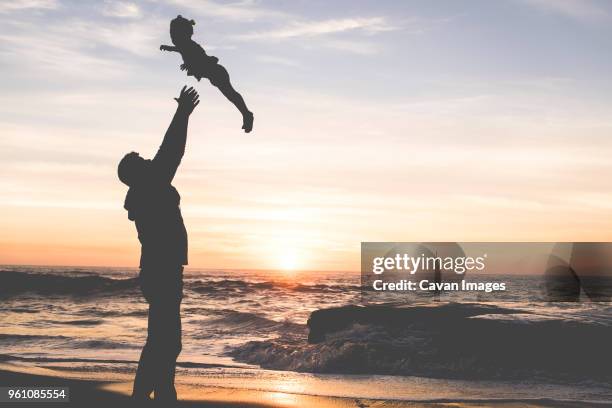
pixel 181 29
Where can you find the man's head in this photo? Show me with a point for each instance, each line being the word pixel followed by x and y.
pixel 131 168
pixel 181 29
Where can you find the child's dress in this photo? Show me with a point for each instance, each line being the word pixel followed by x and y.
pixel 197 62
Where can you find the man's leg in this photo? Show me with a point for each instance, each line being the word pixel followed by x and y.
pixel 144 380
pixel 170 348
pixel 168 337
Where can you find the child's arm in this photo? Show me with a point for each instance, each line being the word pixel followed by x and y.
pixel 168 48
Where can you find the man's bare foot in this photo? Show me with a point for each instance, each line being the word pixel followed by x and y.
pixel 247 122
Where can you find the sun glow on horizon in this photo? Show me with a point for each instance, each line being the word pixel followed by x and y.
pixel 286 251
pixel 288 260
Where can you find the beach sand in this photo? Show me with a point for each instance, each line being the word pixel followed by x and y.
pixel 90 393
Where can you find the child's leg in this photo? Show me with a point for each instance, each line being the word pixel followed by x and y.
pixel 234 97
pixel 220 79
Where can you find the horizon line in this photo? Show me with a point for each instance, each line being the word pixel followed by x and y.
pixel 188 266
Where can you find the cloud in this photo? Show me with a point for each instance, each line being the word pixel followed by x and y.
pixel 353 47
pixel 244 11
pixel 121 9
pixel 273 59
pixel 74 47
pixel 138 37
pixel 585 10
pixel 368 25
pixel 15 5
pixel 51 53
pixel 343 34
pixel 330 33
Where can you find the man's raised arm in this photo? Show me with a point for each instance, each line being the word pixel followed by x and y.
pixel 172 149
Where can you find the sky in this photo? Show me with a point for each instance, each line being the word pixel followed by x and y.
pixel 374 121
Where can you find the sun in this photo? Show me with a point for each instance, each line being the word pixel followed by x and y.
pixel 288 260
pixel 286 253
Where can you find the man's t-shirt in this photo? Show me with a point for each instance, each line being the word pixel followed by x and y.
pixel 154 206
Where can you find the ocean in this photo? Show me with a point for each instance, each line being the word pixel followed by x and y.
pixel 249 329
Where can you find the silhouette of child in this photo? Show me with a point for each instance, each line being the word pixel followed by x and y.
pixel 201 65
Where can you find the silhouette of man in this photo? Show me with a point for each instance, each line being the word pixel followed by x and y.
pixel 154 205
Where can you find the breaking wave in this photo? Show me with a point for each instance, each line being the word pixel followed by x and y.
pixel 235 323
pixel 15 283
pixel 448 341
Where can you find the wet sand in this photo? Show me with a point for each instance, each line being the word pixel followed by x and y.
pixel 89 393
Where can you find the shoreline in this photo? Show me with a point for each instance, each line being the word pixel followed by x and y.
pixel 102 393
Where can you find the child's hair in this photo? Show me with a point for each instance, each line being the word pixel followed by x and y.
pixel 180 27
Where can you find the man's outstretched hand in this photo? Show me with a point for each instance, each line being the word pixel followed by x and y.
pixel 187 100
